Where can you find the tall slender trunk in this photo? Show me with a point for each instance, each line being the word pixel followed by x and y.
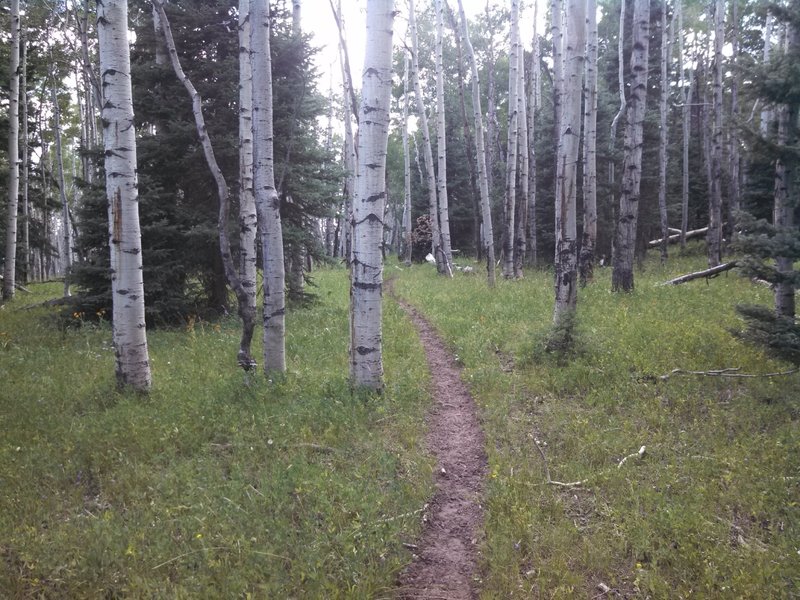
pixel 521 218
pixel 267 201
pixel 407 243
pixel 248 216
pixel 296 20
pixel 666 39
pixel 366 290
pixel 612 140
pixel 119 139
pixel 245 295
pixel 509 205
pixel 734 200
pixel 62 189
pixel 492 128
pixel 715 201
pixel 589 235
pixel 437 247
pixel 441 140
pixel 556 21
pixel 625 236
pixel 785 192
pixel 10 265
pixel 686 114
pixel 469 142
pixel 566 258
pixel 480 151
pixel 350 166
pixel 26 211
pixel 767 116
pixel 534 91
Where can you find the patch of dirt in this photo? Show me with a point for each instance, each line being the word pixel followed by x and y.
pixel 445 557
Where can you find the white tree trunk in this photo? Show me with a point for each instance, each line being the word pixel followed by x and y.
pixel 10 265
pixel 766 112
pixel 267 201
pixel 509 205
pixel 566 257
pixel 437 247
pixel 534 93
pixel 366 291
pixel 734 200
pixel 248 216
pixel 26 212
pixel 521 224
pixel 687 95
pixel 62 190
pixel 407 240
pixel 119 140
pixel 625 236
pixel 666 40
pixel 480 151
pixel 715 201
pixel 612 140
pixel 441 141
pixel 589 237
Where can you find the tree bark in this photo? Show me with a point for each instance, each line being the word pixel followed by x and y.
pixel 248 216
pixel 119 140
pixel 686 92
pixel 533 105
pixel 612 140
pixel 734 200
pixel 589 235
pixel 666 39
pixel 10 265
pixel 441 141
pixel 62 190
pixel 480 151
pixel 706 273
pixel 625 236
pixel 509 205
pixel 407 240
pixel 26 209
pixel 521 223
pixel 715 201
pixel 366 290
pixel 785 201
pixel 566 265
pixel 437 247
pixel 266 195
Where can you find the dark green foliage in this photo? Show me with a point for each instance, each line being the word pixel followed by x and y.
pixel 779 335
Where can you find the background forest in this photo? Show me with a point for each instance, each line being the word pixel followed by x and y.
pixel 655 143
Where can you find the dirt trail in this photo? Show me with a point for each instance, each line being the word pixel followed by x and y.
pixel 446 555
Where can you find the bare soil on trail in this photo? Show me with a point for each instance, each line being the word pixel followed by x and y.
pixel 445 557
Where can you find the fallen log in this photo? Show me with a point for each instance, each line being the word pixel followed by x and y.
pixel 707 273
pixel 676 237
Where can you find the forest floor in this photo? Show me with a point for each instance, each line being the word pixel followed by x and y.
pixel 445 557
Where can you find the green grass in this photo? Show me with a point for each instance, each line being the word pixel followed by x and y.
pixel 218 487
pixel 710 511
pixel 212 486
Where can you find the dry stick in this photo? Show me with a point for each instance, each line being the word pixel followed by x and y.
pixel 638 454
pixel 726 372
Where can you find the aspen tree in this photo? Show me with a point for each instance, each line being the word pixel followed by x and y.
pixel 715 200
pixel 534 91
pixel 687 97
pixel 66 233
pixel 589 236
pixel 521 223
pixel 366 289
pixel 407 243
pixel 625 235
pixel 441 142
pixel 266 195
pixel 509 205
pixel 437 246
pixel 9 266
pixel 248 216
pixel 666 40
pixel 480 151
pixel 566 257
pixel 119 140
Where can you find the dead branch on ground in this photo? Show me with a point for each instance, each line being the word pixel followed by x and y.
pixel 726 372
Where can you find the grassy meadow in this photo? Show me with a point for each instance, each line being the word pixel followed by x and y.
pixel 221 486
pixel 711 508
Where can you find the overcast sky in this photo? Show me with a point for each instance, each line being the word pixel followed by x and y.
pixel 318 19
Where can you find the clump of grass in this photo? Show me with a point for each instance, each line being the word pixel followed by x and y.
pixel 213 485
pixel 711 508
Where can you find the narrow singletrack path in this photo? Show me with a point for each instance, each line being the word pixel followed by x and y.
pixel 444 565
